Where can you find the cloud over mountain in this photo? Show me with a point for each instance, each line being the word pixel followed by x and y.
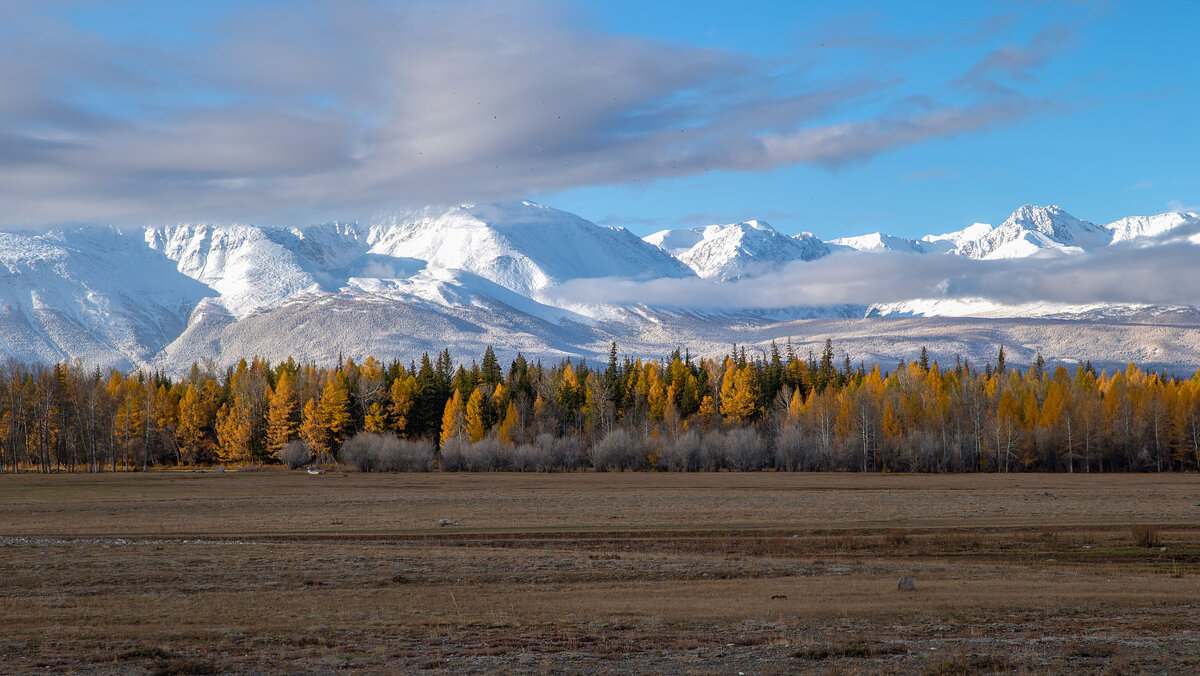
pixel 304 111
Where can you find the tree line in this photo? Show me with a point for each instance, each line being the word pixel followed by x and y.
pixel 773 410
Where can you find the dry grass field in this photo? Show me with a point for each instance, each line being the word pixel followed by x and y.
pixel 763 573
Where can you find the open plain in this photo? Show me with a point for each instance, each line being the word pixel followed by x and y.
pixel 284 572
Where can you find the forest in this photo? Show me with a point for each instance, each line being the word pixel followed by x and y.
pixel 775 410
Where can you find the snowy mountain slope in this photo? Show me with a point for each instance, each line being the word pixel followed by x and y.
pixel 118 298
pixel 94 293
pixel 524 247
pixel 736 250
pixel 470 276
pixel 950 242
pixel 877 241
pixel 1139 227
pixel 1028 231
pixel 1031 230
pixel 248 268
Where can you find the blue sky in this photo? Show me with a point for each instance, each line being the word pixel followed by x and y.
pixel 904 117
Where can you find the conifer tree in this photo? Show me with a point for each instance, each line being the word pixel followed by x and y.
pixel 489 370
pixel 233 434
pixel 281 415
pixel 739 395
pixel 314 431
pixel 190 432
pixel 474 416
pixel 402 395
pixel 376 420
pixel 510 428
pixel 454 418
pixel 335 408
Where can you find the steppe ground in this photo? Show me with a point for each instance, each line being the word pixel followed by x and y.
pixel 283 572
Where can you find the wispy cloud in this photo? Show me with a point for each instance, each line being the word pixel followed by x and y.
pixel 1015 62
pixel 325 109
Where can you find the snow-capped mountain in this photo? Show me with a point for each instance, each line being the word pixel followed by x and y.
pixel 877 241
pixel 1028 231
pixel 951 242
pixel 524 247
pixel 98 294
pixel 737 250
pixel 1031 230
pixel 478 275
pixel 1138 227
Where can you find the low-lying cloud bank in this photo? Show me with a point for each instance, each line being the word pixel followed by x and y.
pixel 1167 273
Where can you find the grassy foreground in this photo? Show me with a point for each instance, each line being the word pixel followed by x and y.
pixel 615 573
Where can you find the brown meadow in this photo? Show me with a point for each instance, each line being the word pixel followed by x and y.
pixel 586 572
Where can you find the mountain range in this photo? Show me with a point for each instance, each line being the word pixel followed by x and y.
pixel 473 275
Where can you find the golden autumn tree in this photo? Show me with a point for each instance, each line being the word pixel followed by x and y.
pixel 402 393
pixel 510 428
pixel 454 418
pixel 313 429
pixel 190 430
pixel 376 420
pixel 335 408
pixel 739 395
pixel 795 406
pixel 656 397
pixel 234 433
pixel 281 415
pixel 130 416
pixel 707 410
pixel 240 417
pixel 474 416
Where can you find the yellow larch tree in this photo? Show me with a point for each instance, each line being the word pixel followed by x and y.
pixel 403 391
pixel 739 395
pixel 190 431
pixel 510 428
pixel 313 430
pixel 234 432
pixel 281 415
pixel 376 420
pixel 454 418
pixel 474 416
pixel 708 410
pixel 335 408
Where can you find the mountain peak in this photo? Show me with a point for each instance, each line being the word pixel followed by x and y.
pixel 1042 219
pixel 736 250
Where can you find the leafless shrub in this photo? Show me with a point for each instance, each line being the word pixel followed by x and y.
pixel 744 451
pixel 788 449
pixel 681 454
pixel 559 452
pixel 619 450
pixel 1146 535
pixel 454 454
pixel 712 451
pixel 485 455
pixel 528 458
pixel 367 452
pixel 488 455
pixel 295 454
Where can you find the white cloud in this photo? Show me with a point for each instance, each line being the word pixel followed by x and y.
pixel 325 109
